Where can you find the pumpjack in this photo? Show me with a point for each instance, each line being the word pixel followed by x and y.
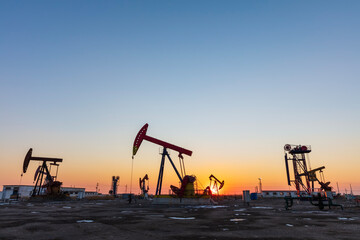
pixel 144 189
pixel 305 179
pixel 214 188
pixel 46 184
pixel 187 181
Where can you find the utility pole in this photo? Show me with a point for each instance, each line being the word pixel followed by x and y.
pixel 351 192
pixel 337 184
pixel 97 187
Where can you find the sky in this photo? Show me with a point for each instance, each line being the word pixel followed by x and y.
pixel 232 81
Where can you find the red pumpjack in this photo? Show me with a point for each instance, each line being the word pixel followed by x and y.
pixel 184 180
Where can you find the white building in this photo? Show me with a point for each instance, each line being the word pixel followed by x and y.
pixel 78 193
pixel 278 193
pixel 91 193
pixel 16 191
pixel 24 191
pixel 284 193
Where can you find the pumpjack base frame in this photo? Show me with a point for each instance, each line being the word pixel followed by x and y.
pixel 320 202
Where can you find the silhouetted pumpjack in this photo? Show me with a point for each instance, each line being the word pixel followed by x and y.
pixel 142 136
pixel 51 184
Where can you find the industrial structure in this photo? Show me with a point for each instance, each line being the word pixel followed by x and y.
pixel 114 185
pixel 214 186
pixel 304 179
pixel 143 186
pixel 45 184
pixel 187 181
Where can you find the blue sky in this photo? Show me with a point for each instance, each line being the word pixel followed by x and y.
pixel 220 78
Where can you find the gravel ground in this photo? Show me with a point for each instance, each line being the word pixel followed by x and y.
pixel 230 219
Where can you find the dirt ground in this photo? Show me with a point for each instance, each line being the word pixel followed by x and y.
pixel 230 219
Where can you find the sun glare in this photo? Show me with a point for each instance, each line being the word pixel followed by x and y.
pixel 214 190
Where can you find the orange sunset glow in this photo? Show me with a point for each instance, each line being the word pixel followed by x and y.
pixel 240 168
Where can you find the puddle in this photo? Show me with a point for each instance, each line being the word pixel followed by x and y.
pixel 207 206
pixel 319 212
pixel 182 218
pixel 307 219
pixel 237 219
pixel 85 221
pixel 346 219
pixel 263 207
pixel 66 207
pixel 34 212
pixel 289 225
pixel 240 210
pixel 127 211
pixel 225 229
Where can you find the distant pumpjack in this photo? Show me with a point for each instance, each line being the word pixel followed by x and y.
pixel 214 187
pixel 142 183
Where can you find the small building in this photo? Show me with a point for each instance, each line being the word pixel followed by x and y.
pixel 24 191
pixel 74 192
pixel 278 193
pixel 16 191
pixel 284 193
pixel 91 193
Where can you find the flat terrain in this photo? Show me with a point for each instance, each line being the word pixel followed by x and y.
pixel 116 219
